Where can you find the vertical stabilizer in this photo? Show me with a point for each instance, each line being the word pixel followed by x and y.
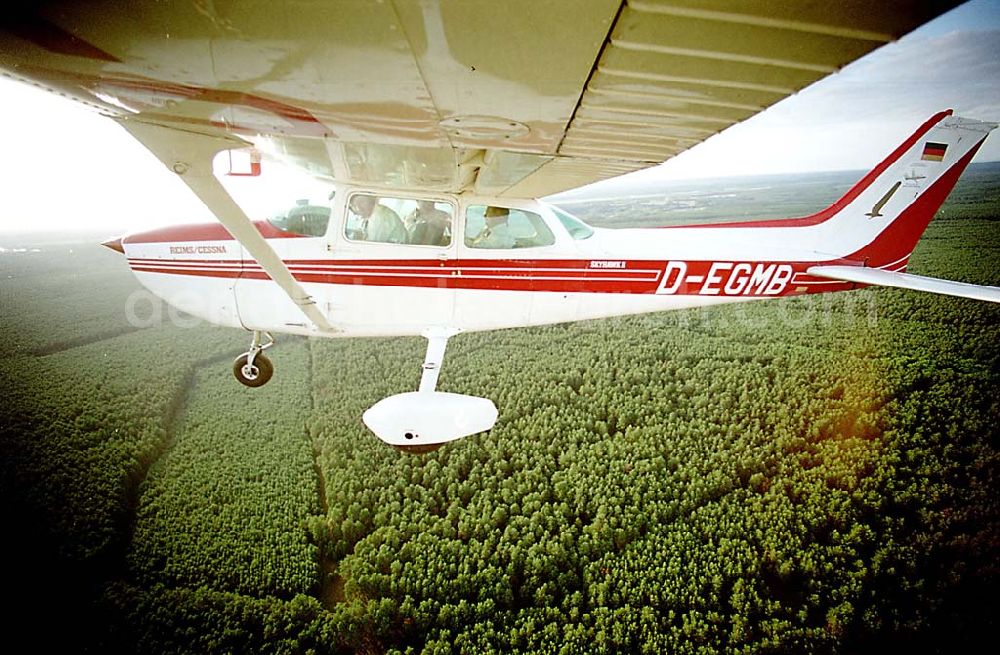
pixel 879 221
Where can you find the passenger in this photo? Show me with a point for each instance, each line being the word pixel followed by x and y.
pixel 428 226
pixel 497 233
pixel 381 224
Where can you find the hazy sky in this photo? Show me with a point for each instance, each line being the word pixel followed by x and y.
pixel 63 166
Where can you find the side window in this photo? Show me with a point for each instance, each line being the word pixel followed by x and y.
pixel 304 218
pixel 487 226
pixel 384 219
pixel 428 223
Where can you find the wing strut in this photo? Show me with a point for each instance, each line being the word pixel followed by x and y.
pixel 190 155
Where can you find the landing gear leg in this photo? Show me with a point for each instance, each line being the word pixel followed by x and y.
pixel 252 368
pixel 437 340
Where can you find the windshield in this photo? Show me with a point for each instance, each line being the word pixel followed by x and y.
pixel 576 228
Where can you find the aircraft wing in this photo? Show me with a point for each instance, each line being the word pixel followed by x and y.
pixel 521 98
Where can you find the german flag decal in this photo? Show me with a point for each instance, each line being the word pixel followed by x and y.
pixel 934 151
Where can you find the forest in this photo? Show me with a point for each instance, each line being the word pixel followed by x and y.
pixel 809 475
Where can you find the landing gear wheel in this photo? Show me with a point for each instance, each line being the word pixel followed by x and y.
pixel 253 375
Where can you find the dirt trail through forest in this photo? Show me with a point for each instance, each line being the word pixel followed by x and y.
pixel 331 587
pixel 69 344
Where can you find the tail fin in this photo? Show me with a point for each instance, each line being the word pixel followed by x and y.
pixel 879 221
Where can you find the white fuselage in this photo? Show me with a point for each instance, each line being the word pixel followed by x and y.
pixel 382 289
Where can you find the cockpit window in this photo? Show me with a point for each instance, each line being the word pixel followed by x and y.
pixel 385 219
pixel 487 226
pixel 304 218
pixel 576 228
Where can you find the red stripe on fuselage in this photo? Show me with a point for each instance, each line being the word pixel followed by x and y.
pixel 720 279
pixel 197 273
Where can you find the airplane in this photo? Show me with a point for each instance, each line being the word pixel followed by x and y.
pixel 439 125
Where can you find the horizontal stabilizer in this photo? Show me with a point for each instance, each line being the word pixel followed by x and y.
pixel 879 277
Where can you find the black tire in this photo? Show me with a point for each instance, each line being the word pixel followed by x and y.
pixel 262 365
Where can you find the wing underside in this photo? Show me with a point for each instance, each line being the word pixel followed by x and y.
pixel 520 98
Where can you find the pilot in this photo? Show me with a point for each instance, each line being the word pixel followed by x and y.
pixel 428 226
pixel 381 223
pixel 497 233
